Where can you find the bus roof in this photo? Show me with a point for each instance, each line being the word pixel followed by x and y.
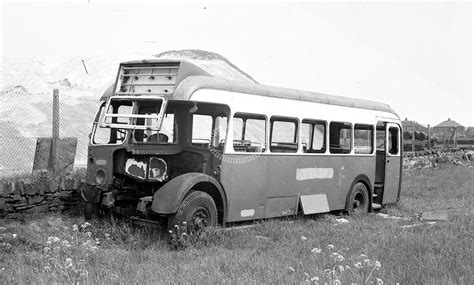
pixel 192 77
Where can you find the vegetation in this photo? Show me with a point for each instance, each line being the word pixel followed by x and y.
pixel 319 249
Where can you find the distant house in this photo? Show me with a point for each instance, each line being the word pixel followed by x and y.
pixel 448 131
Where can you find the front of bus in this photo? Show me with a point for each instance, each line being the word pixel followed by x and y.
pixel 132 132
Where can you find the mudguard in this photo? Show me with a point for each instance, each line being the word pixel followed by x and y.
pixel 168 198
pixel 90 193
pixel 360 178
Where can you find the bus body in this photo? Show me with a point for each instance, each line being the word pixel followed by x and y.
pixel 171 141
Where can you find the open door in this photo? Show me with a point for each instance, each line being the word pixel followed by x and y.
pixel 392 163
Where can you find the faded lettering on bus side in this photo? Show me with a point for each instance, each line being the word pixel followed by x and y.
pixel 314 173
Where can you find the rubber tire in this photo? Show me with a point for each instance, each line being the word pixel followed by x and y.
pixel 196 200
pixel 358 200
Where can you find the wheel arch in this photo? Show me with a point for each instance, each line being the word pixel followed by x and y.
pixel 362 178
pixel 168 198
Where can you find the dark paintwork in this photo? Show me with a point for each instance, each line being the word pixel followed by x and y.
pixel 169 197
pixel 267 183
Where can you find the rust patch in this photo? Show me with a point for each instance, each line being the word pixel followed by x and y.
pixel 158 169
pixel 136 168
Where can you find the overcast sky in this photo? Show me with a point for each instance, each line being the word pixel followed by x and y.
pixel 415 56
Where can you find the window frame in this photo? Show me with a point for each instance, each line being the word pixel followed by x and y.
pixel 368 127
pixel 351 143
pixel 295 136
pixel 246 116
pixel 313 123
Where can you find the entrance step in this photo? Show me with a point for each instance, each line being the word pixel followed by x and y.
pixel 376 206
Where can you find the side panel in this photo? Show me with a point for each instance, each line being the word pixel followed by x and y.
pixel 269 185
pixel 244 178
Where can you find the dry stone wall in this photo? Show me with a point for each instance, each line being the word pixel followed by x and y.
pixel 24 197
pixel 431 158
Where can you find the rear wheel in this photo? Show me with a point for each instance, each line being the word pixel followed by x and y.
pixel 197 211
pixel 359 200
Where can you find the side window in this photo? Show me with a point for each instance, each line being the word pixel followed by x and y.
pixel 380 139
pixel 340 137
pixel 167 132
pixel 363 139
pixel 249 132
pixel 283 136
pixel 393 137
pixel 202 130
pixel 113 135
pixel 219 132
pixel 313 136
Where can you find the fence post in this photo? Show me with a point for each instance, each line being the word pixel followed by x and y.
pixel 429 137
pixel 413 139
pixel 55 132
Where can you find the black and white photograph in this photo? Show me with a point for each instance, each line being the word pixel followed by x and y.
pixel 236 142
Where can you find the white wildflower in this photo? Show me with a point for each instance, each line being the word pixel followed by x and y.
pixel 337 282
pixel 315 278
pixel 330 246
pixel 379 281
pixel 377 264
pixel 107 235
pixel 341 268
pixel 75 228
pixel 316 250
pixel 89 234
pixel 68 262
pixel 358 265
pixel 14 235
pixel 170 231
pixel 304 238
pixel 366 260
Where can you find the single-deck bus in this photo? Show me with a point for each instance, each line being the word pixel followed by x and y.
pixel 171 142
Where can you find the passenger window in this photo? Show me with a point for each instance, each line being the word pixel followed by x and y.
pixel 283 135
pixel 313 136
pixel 340 137
pixel 393 140
pixel 363 139
pixel 380 139
pixel 249 133
pixel 202 130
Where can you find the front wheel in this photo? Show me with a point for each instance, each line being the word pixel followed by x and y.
pixel 197 211
pixel 359 200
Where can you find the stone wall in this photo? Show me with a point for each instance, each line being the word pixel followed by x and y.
pixel 431 158
pixel 22 197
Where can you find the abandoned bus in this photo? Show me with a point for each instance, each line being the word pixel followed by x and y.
pixel 173 143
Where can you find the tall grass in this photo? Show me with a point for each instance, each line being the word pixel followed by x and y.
pixel 317 249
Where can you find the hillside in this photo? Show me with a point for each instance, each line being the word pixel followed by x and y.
pixel 26 96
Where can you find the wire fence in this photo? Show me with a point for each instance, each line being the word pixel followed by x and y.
pixel 25 117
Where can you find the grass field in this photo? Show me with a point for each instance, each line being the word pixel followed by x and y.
pixel 320 249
